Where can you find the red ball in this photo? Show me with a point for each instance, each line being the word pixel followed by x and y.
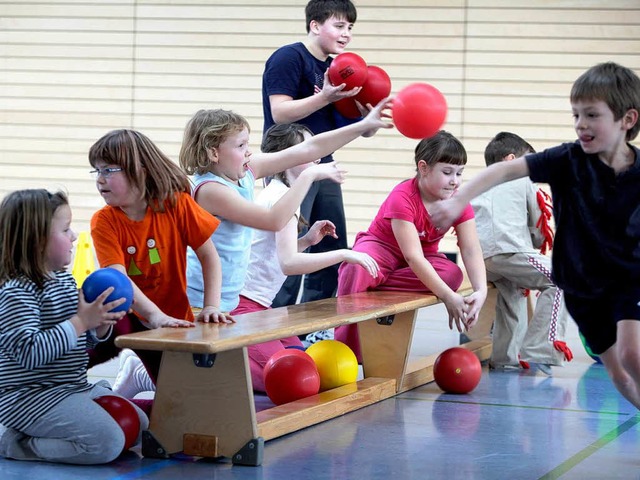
pixel 457 370
pixel 348 68
pixel 376 88
pixel 289 375
pixel 347 108
pixel 419 110
pixel 125 414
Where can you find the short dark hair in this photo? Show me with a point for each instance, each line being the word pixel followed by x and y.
pixel 503 144
pixel 617 86
pixel 442 147
pixel 322 10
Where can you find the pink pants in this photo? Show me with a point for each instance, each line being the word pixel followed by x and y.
pixel 259 354
pixel 394 275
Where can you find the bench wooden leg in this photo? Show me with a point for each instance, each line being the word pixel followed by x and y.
pixel 385 347
pixel 212 405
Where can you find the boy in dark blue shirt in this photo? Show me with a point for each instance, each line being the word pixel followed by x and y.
pixel 596 197
pixel 296 88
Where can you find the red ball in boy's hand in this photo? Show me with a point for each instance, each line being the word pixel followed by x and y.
pixel 419 110
pixel 376 88
pixel 348 68
pixel 347 108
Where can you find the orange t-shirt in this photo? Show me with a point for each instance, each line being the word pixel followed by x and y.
pixel 153 251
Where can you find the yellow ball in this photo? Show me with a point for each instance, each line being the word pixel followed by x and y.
pixel 336 362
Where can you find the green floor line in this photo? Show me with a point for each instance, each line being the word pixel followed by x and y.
pixel 583 454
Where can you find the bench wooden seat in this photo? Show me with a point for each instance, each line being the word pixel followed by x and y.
pixel 204 403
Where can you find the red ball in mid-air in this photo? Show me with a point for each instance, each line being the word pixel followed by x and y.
pixel 419 110
pixel 289 375
pixel 457 370
pixel 125 414
pixel 348 68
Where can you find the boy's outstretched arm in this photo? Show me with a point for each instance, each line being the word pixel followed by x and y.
pixel 445 212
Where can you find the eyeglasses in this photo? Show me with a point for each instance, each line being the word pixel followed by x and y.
pixel 105 172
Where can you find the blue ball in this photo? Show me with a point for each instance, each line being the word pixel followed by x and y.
pixel 101 279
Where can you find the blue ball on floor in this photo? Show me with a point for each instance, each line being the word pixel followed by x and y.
pixel 101 279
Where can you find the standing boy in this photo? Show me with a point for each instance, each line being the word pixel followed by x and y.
pixel 511 219
pixel 296 88
pixel 596 203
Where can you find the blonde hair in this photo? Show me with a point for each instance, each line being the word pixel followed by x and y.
pixel 207 129
pixel 144 165
pixel 25 225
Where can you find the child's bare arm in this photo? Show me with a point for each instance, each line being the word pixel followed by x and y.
pixel 212 279
pixel 445 212
pixel 321 145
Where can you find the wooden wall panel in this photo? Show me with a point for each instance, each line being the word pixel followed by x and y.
pixel 72 70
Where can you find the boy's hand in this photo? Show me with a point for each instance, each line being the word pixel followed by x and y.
pixel 444 212
pixel 334 93
pixel 211 314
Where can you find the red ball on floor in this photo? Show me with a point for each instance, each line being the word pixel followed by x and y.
pixel 289 375
pixel 125 414
pixel 457 370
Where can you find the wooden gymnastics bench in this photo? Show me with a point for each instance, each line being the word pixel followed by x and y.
pixel 204 403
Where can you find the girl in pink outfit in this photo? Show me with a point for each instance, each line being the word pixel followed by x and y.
pixel 404 242
pixel 274 255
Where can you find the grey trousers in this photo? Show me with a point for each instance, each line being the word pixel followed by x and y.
pixel 76 431
pixel 513 333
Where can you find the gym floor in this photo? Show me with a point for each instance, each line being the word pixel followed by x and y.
pixel 515 425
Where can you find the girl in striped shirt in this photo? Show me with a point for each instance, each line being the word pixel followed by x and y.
pixel 47 410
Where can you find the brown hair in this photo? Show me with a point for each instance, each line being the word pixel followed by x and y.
pixel 144 165
pixel 503 144
pixel 617 86
pixel 207 129
pixel 322 10
pixel 280 137
pixel 443 147
pixel 25 225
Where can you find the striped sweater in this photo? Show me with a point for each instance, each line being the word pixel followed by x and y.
pixel 42 360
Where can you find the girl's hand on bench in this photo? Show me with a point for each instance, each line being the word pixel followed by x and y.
pixel 162 320
pixel 210 314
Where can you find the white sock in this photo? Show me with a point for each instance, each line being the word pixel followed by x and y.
pixel 125 384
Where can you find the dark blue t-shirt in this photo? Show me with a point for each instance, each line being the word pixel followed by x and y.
pixel 292 70
pixel 597 215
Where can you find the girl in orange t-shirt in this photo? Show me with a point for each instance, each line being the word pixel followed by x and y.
pixel 144 230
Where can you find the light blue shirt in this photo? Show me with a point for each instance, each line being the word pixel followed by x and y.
pixel 233 243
